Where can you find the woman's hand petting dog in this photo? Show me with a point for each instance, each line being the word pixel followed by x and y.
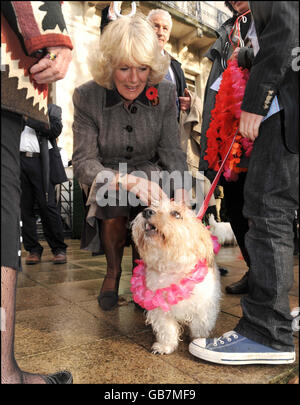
pixel 147 191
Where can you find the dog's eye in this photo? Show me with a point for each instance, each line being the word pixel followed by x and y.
pixel 176 214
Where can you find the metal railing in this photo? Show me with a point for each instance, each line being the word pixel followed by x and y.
pixel 65 203
pixel 201 11
pixel 64 193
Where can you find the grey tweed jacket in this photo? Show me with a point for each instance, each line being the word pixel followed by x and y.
pixel 106 133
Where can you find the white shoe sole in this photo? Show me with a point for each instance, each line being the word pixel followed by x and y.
pixel 242 358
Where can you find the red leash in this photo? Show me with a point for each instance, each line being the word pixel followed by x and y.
pixel 204 206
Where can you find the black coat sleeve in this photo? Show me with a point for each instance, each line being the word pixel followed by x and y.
pixel 55 118
pixel 246 57
pixel 277 28
pixel 104 18
pixel 179 76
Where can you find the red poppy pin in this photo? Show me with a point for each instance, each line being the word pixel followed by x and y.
pixel 152 95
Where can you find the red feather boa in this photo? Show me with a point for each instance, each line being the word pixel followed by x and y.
pixel 224 122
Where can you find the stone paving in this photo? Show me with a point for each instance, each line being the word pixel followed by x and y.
pixel 59 325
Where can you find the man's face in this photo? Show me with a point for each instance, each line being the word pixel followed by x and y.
pixel 240 6
pixel 162 28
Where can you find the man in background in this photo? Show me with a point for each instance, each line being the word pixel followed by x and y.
pixel 41 170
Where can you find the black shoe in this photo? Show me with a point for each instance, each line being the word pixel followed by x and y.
pixel 239 287
pixel 108 300
pixel 61 377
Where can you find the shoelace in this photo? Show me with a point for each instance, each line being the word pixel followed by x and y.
pixel 227 336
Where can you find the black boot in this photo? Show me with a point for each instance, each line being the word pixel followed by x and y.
pixel 239 287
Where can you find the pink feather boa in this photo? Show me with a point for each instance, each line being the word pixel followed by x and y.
pixel 224 122
pixel 164 297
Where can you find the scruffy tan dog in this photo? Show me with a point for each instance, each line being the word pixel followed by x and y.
pixel 177 280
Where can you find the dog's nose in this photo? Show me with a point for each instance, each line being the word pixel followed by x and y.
pixel 148 212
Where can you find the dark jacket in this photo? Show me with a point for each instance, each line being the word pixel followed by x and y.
pixel 55 118
pixel 104 18
pixel 271 72
pixel 54 170
pixel 106 134
pixel 179 77
pixel 57 170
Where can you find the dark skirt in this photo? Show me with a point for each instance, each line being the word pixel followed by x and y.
pixel 112 204
pixel 11 128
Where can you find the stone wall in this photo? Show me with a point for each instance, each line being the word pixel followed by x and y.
pixel 83 27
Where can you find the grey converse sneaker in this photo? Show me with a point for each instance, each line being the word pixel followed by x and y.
pixel 233 348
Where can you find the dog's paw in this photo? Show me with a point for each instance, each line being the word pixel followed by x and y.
pixel 161 348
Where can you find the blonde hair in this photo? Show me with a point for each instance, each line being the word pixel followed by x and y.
pixel 130 41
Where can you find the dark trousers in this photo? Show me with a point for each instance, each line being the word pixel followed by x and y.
pixel 234 201
pixel 32 190
pixel 271 198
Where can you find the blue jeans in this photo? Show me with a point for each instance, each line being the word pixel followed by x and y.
pixel 271 198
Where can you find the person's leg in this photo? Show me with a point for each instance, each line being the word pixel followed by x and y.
pixel 113 239
pixel 11 126
pixel 10 372
pixel 234 201
pixel 264 333
pixel 49 211
pixel 29 228
pixel 52 222
pixel 271 197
